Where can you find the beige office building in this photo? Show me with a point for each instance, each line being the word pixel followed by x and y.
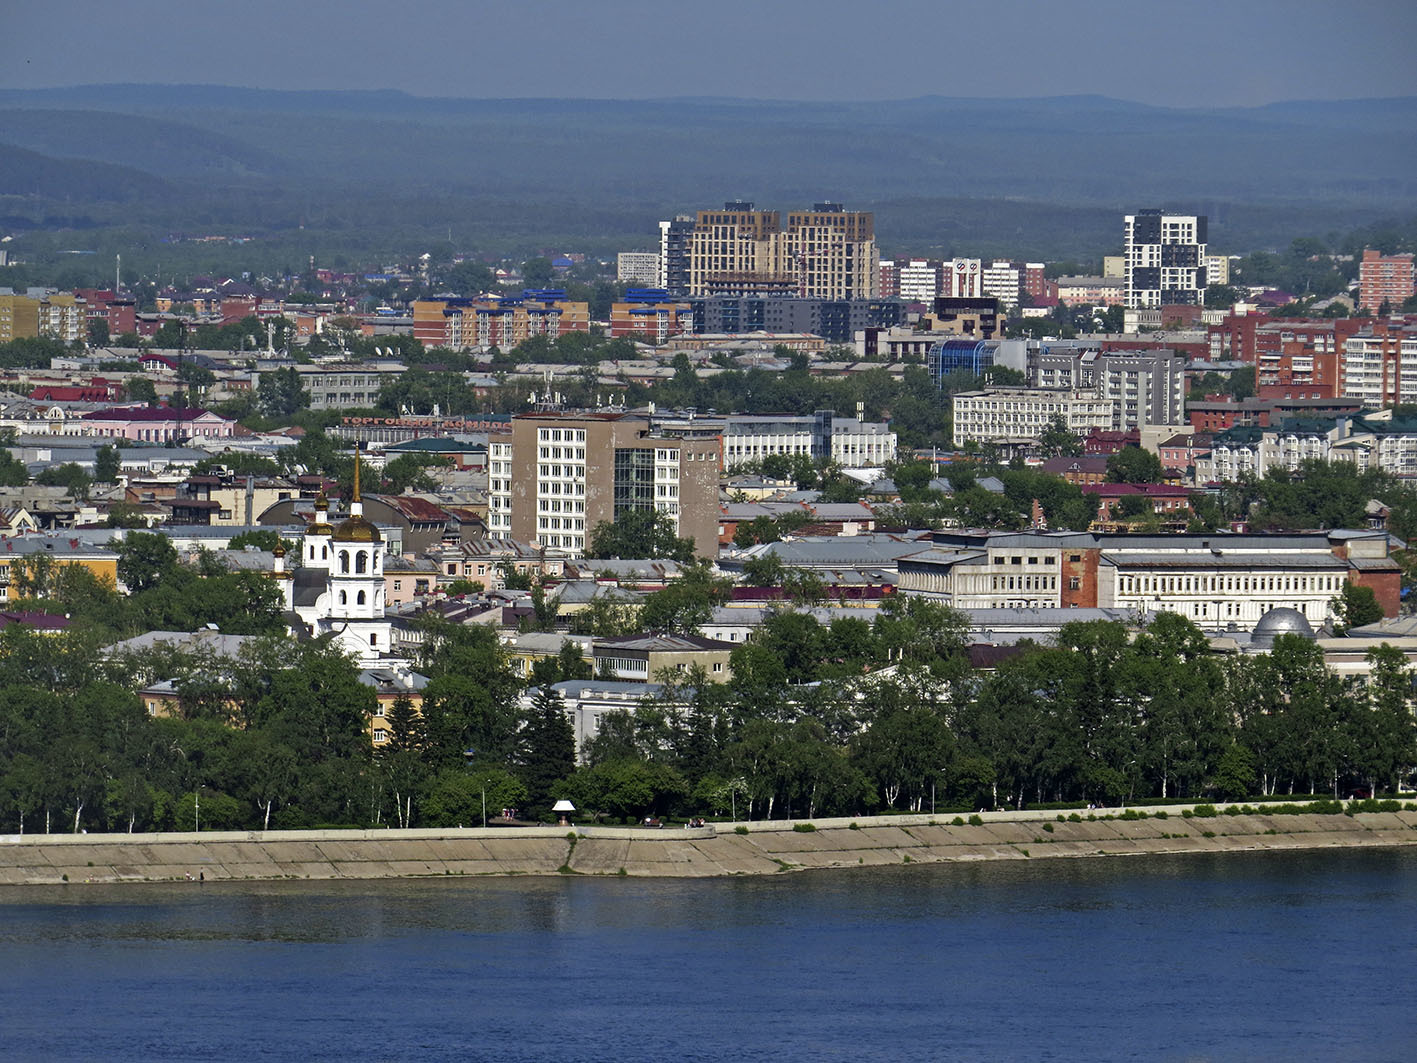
pixel 561 474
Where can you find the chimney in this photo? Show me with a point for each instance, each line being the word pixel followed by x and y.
pixel 1037 521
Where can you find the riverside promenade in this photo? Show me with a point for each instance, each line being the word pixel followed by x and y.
pixel 757 848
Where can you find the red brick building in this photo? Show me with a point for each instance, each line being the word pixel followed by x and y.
pixel 1384 279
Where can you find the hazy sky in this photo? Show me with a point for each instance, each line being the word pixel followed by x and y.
pixel 1191 53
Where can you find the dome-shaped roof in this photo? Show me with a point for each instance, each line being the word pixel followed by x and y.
pixel 321 523
pixel 1281 621
pixel 356 530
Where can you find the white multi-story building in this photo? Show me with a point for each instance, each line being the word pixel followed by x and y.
pixel 344 385
pixel 1213 580
pixel 1001 280
pixel 1380 369
pixel 919 281
pixel 850 442
pixel 1166 259
pixel 1018 415
pixel 1368 442
pixel 638 267
pixel 499 489
pixel 1006 572
pixel 1221 581
pixel 562 474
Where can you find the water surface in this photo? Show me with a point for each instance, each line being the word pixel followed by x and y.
pixel 1196 957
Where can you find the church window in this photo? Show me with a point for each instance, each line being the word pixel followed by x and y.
pixel 359 600
pixel 344 560
pixel 360 560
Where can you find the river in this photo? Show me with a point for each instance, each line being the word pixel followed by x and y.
pixel 1287 956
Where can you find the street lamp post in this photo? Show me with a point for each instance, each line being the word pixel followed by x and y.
pixel 470 755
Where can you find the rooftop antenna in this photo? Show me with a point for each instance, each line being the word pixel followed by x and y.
pixel 117 273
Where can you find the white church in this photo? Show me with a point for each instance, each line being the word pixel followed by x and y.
pixel 339 587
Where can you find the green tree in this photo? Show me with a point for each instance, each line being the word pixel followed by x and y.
pixel 638 534
pixel 764 570
pixel 69 476
pixel 1235 776
pixel 406 730
pixel 537 272
pixel 107 463
pixel 685 604
pixel 144 560
pixel 1356 606
pixel 12 471
pixel 280 392
pixel 1058 440
pixel 470 278
pixel 140 389
pixel 458 797
pixel 548 747
pixel 1221 296
pixel 1383 732
pixel 1133 465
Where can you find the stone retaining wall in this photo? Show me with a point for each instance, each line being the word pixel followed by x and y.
pixel 765 848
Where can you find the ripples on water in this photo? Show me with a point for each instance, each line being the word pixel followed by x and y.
pixel 1237 956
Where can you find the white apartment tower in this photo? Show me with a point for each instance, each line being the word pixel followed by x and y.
pixel 1166 259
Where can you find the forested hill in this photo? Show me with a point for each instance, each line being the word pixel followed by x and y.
pixel 986 165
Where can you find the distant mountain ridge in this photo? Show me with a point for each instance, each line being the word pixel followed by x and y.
pixel 260 155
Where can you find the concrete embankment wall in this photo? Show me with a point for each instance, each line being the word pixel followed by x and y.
pixel 766 848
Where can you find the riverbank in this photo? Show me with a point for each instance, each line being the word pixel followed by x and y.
pixel 759 848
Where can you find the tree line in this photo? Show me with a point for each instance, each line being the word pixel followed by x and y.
pixel 818 719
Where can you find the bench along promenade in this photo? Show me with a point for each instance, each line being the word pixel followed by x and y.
pixel 757 848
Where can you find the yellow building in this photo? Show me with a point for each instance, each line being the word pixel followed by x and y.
pixel 57 315
pixel 31 560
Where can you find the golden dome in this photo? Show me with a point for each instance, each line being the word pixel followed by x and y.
pixel 321 524
pixel 357 530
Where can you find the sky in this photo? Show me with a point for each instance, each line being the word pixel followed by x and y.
pixel 1196 53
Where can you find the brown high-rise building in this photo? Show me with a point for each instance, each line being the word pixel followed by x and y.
pixel 823 253
pixel 561 474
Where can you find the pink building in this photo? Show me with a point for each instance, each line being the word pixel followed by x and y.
pixel 160 424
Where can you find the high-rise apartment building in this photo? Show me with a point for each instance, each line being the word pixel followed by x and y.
pixel 919 281
pixel 675 238
pixel 1033 282
pixel 1384 279
pixel 736 245
pixel 831 251
pixel 561 474
pixel 826 253
pixel 888 279
pixel 1001 280
pixel 1166 259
